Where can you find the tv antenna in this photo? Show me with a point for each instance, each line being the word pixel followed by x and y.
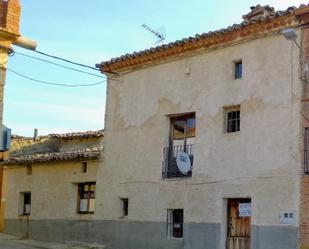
pixel 159 34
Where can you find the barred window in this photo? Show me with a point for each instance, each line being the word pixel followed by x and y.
pixel 175 223
pixel 232 115
pixel 26 203
pixel 125 206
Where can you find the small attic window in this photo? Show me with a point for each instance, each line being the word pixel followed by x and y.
pixel 238 69
pixel 29 170
pixel 84 167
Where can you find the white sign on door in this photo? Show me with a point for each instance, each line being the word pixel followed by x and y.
pixel 244 209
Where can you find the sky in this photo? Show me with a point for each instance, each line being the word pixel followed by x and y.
pixel 89 32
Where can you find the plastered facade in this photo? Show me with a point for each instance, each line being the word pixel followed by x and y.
pixel 53 187
pixel 262 161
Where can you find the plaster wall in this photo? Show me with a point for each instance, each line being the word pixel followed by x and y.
pixel 53 188
pixel 261 162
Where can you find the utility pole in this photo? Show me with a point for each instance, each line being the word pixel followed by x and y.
pixel 9 34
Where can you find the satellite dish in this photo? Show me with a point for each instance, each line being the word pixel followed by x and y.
pixel 183 162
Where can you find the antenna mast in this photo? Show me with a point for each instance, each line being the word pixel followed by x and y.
pixel 159 35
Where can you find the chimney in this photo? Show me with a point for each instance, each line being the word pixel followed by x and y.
pixel 258 12
pixel 35 134
pixel 9 16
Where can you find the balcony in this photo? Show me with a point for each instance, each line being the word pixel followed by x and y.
pixel 170 167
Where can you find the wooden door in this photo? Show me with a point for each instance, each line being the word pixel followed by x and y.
pixel 239 224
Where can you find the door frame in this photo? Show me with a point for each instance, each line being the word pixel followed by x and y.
pixel 226 214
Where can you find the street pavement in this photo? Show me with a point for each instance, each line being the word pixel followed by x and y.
pixel 13 242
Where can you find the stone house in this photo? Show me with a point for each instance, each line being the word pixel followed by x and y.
pixel 49 179
pixel 204 141
pixel 205 147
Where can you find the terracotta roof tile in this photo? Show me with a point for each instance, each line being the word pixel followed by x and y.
pixel 78 135
pixel 87 153
pixel 269 15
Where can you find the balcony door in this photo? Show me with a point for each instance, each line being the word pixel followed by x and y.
pixel 183 130
pixel 181 146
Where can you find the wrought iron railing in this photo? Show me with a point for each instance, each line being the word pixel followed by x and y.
pixel 306 151
pixel 170 168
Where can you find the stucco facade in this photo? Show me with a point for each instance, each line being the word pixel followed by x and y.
pixel 51 169
pixel 261 162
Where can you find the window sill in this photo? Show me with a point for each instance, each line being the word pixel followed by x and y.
pixel 231 133
pixel 88 213
pixel 123 217
pixel 171 238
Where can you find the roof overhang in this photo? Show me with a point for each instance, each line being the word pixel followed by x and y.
pixel 234 34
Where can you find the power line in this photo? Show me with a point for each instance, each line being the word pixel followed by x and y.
pixel 56 64
pixel 11 53
pixel 55 84
pixel 66 60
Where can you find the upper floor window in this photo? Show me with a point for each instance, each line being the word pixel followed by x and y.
pixel 84 167
pixel 232 116
pixel 238 69
pixel 178 156
pixel 86 194
pixel 183 130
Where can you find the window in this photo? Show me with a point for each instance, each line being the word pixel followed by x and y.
pixel 125 206
pixel 29 170
pixel 178 156
pixel 175 223
pixel 86 194
pixel 238 69
pixel 84 167
pixel 26 199
pixel 232 116
pixel 183 130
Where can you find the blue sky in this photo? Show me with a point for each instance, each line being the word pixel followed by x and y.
pixel 90 32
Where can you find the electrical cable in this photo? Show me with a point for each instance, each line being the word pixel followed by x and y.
pixel 55 84
pixel 56 64
pixel 66 60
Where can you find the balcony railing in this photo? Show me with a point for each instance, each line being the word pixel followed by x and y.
pixel 306 151
pixel 170 168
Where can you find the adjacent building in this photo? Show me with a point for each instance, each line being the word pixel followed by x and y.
pixel 49 179
pixel 9 34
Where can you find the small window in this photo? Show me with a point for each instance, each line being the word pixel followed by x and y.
pixel 29 170
pixel 125 206
pixel 86 194
pixel 84 167
pixel 26 203
pixel 238 69
pixel 232 116
pixel 175 223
